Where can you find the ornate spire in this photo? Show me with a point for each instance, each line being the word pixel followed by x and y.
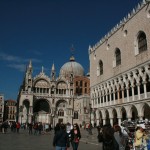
pixel 53 73
pixel 30 64
pixel 72 58
pixel 42 69
pixel 72 50
pixel 53 67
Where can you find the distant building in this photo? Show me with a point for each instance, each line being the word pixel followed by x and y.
pixel 10 110
pixel 51 99
pixel 120 70
pixel 1 107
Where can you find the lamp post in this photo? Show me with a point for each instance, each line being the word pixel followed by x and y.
pixel 90 112
pixel 73 111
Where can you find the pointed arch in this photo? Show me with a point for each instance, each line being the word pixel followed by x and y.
pixel 118 56
pixel 101 67
pixel 142 42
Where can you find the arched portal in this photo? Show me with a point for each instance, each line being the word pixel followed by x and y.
pixel 115 119
pixel 134 113
pixel 41 111
pixel 124 114
pixel 100 118
pixel 146 112
pixel 25 111
pixel 107 117
pixel 41 105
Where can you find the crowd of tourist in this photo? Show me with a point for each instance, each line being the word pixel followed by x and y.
pixel 116 137
pixel 119 137
pixel 32 128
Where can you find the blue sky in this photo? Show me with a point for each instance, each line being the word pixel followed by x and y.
pixel 45 30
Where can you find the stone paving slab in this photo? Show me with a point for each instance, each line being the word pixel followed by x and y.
pixel 24 141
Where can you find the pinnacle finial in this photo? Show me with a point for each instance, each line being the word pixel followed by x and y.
pixel 30 64
pixel 72 50
pixel 42 69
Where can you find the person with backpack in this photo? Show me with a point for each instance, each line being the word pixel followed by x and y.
pixel 109 141
pixel 60 140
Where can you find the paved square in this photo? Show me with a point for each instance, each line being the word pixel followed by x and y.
pixel 24 141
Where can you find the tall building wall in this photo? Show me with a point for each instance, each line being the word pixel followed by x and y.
pixel 120 70
pixel 126 42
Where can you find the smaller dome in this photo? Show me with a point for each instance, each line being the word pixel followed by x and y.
pixel 71 67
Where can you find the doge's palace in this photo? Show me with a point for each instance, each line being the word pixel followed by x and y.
pixel 120 70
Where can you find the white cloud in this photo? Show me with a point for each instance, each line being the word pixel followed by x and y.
pixel 18 63
pixel 7 57
pixel 20 67
pixel 36 52
pixel 11 58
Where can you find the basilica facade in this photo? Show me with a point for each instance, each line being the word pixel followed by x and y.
pixel 120 70
pixel 51 99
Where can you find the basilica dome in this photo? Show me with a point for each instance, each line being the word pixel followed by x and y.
pixel 71 67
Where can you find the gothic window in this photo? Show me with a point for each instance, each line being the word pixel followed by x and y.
pixel 85 91
pixel 141 86
pixel 112 95
pixel 75 115
pixel 142 42
pixel 130 89
pixel 81 83
pixel 101 67
pixel 76 83
pixel 69 102
pixel 60 112
pixel 135 88
pixel 118 57
pixel 148 84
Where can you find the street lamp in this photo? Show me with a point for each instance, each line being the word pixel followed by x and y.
pixel 73 111
pixel 90 112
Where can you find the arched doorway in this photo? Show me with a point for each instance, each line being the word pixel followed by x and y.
pixel 146 112
pixel 124 114
pixel 41 111
pixel 134 113
pixel 115 119
pixel 24 117
pixel 107 117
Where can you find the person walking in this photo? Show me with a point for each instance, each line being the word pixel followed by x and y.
pixel 30 126
pixel 57 128
pixel 40 128
pixel 109 142
pixel 140 138
pixel 120 137
pixel 18 126
pixel 60 140
pixel 75 136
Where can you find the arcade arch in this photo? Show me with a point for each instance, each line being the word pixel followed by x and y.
pixel 25 111
pixel 41 105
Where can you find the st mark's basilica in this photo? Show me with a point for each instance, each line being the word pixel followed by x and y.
pixel 50 99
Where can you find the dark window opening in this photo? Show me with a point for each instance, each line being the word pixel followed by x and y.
pixel 142 42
